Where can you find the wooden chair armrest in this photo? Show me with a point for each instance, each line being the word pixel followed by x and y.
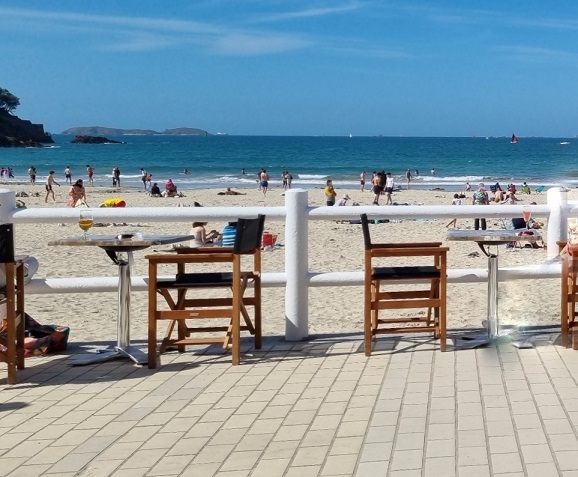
pixel 195 250
pixel 409 252
pixel 405 245
pixel 190 258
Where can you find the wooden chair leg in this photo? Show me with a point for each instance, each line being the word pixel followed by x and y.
pixel 258 315
pixel 152 331
pixel 367 316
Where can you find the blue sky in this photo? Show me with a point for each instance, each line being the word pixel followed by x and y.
pixel 272 67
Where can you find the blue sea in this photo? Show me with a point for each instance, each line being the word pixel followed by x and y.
pixel 217 161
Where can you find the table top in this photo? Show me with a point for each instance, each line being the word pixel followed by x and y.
pixel 494 236
pixel 134 241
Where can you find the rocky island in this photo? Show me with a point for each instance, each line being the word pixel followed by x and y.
pixel 104 131
pixel 94 140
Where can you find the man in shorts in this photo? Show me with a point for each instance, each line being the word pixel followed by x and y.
pixel 49 183
pixel 264 178
pixel 377 182
pixel 362 181
pixel 68 175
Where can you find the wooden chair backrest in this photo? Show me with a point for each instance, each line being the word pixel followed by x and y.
pixel 365 228
pixel 249 233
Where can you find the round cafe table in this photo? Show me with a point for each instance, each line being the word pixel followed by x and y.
pixel 485 239
pixel 120 249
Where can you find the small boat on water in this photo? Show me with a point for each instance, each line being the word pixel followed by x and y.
pixel 514 139
pixel 565 143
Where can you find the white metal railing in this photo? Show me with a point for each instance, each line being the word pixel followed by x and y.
pixel 296 213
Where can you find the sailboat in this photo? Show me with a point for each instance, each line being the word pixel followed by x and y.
pixel 514 139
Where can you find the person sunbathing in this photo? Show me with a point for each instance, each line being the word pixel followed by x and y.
pixel 230 192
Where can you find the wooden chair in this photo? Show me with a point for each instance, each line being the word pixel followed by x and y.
pixel 433 298
pixel 12 340
pixel 182 308
pixel 569 295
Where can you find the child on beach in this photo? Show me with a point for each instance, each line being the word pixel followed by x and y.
pixel 455 201
pixel 330 193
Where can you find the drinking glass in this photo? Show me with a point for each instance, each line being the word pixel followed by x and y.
pixel 527 214
pixel 85 221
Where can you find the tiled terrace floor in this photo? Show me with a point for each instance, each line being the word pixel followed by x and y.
pixel 319 408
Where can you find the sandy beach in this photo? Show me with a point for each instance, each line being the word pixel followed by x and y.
pixel 332 247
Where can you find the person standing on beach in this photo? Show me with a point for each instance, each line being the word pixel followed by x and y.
pixel 68 175
pixel 480 197
pixel 408 178
pixel 90 173
pixel 32 174
pixel 264 178
pixel 49 183
pixel 143 177
pixel 389 185
pixel 455 201
pixel 116 175
pixel 377 188
pixel 330 193
pixel 362 181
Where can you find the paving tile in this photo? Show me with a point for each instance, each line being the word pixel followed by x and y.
pixel 407 460
pixel 472 456
pixel 307 456
pixel 567 460
pixel 503 463
pixel 440 467
pixel 541 470
pixel 372 469
pixel 306 471
pixel 339 465
pixel 503 444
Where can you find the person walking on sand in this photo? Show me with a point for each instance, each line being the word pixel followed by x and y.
pixel 480 197
pixel 389 185
pixel 408 178
pixel 49 183
pixel 362 181
pixel 455 201
pixel 264 181
pixel 68 175
pixel 90 173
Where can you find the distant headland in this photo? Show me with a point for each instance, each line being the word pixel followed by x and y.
pixel 104 131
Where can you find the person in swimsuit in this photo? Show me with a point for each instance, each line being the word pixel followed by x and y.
pixel 377 187
pixel 32 174
pixel 49 182
pixel 68 175
pixel 362 181
pixel 264 177
pixel 90 172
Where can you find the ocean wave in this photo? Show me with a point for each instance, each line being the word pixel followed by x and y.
pixel 311 176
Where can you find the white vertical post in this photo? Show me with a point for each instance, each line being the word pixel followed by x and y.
pixel 296 265
pixel 7 205
pixel 558 220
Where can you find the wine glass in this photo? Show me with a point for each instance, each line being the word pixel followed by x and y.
pixel 85 221
pixel 527 214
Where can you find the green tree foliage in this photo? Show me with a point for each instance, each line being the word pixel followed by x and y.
pixel 8 102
